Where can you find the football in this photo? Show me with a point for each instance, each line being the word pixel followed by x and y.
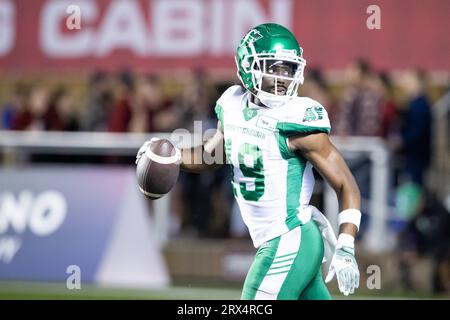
pixel 158 168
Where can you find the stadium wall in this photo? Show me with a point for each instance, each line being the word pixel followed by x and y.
pixel 55 217
pixel 151 35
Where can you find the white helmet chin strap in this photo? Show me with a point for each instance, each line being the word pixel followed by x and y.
pixel 272 100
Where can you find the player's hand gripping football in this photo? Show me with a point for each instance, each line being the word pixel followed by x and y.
pixel 344 266
pixel 144 147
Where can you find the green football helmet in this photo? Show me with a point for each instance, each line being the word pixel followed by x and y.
pixel 259 50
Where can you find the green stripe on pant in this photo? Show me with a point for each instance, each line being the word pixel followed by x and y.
pixel 299 277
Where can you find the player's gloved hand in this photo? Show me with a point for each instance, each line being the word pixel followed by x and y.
pixel 144 147
pixel 344 266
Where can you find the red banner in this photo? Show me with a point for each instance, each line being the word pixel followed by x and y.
pixel 145 35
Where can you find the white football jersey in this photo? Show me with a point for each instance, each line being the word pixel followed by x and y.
pixel 272 185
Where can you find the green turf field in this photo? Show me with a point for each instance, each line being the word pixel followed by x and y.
pixel 26 290
pixel 31 290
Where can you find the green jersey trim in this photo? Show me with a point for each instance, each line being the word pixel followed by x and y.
pixel 249 113
pixel 289 128
pixel 296 168
pixel 286 153
pixel 294 180
pixel 219 113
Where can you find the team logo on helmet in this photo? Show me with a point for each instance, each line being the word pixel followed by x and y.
pixel 252 36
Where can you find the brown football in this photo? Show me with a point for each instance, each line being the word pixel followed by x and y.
pixel 158 168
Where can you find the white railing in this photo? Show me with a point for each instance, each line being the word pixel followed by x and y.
pixel 89 143
pixel 377 238
pixel 99 143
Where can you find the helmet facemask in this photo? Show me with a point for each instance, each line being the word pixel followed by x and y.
pixel 285 72
pixel 260 66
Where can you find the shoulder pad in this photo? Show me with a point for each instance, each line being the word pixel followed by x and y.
pixel 303 115
pixel 230 92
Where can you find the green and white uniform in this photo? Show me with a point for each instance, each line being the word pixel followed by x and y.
pixel 273 187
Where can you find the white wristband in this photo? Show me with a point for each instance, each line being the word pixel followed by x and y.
pixel 350 216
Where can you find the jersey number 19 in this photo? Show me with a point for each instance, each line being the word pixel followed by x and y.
pixel 251 165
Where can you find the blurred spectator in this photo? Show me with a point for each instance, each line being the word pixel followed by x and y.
pixel 14 106
pixel 196 103
pixel 359 112
pixel 32 116
pixel 316 87
pixel 427 235
pixel 389 121
pixel 45 113
pixel 416 127
pixel 136 106
pixel 42 112
pixel 99 103
pixel 61 115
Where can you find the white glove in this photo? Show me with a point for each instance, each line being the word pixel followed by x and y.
pixel 344 265
pixel 144 147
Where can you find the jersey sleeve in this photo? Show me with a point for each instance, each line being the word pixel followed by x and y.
pixel 219 113
pixel 304 116
pixel 222 102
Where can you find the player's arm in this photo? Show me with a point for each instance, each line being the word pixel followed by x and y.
pixel 323 155
pixel 208 156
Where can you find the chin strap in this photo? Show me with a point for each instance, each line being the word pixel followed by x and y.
pixel 271 100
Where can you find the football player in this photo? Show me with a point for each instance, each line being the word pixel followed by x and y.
pixel 272 138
